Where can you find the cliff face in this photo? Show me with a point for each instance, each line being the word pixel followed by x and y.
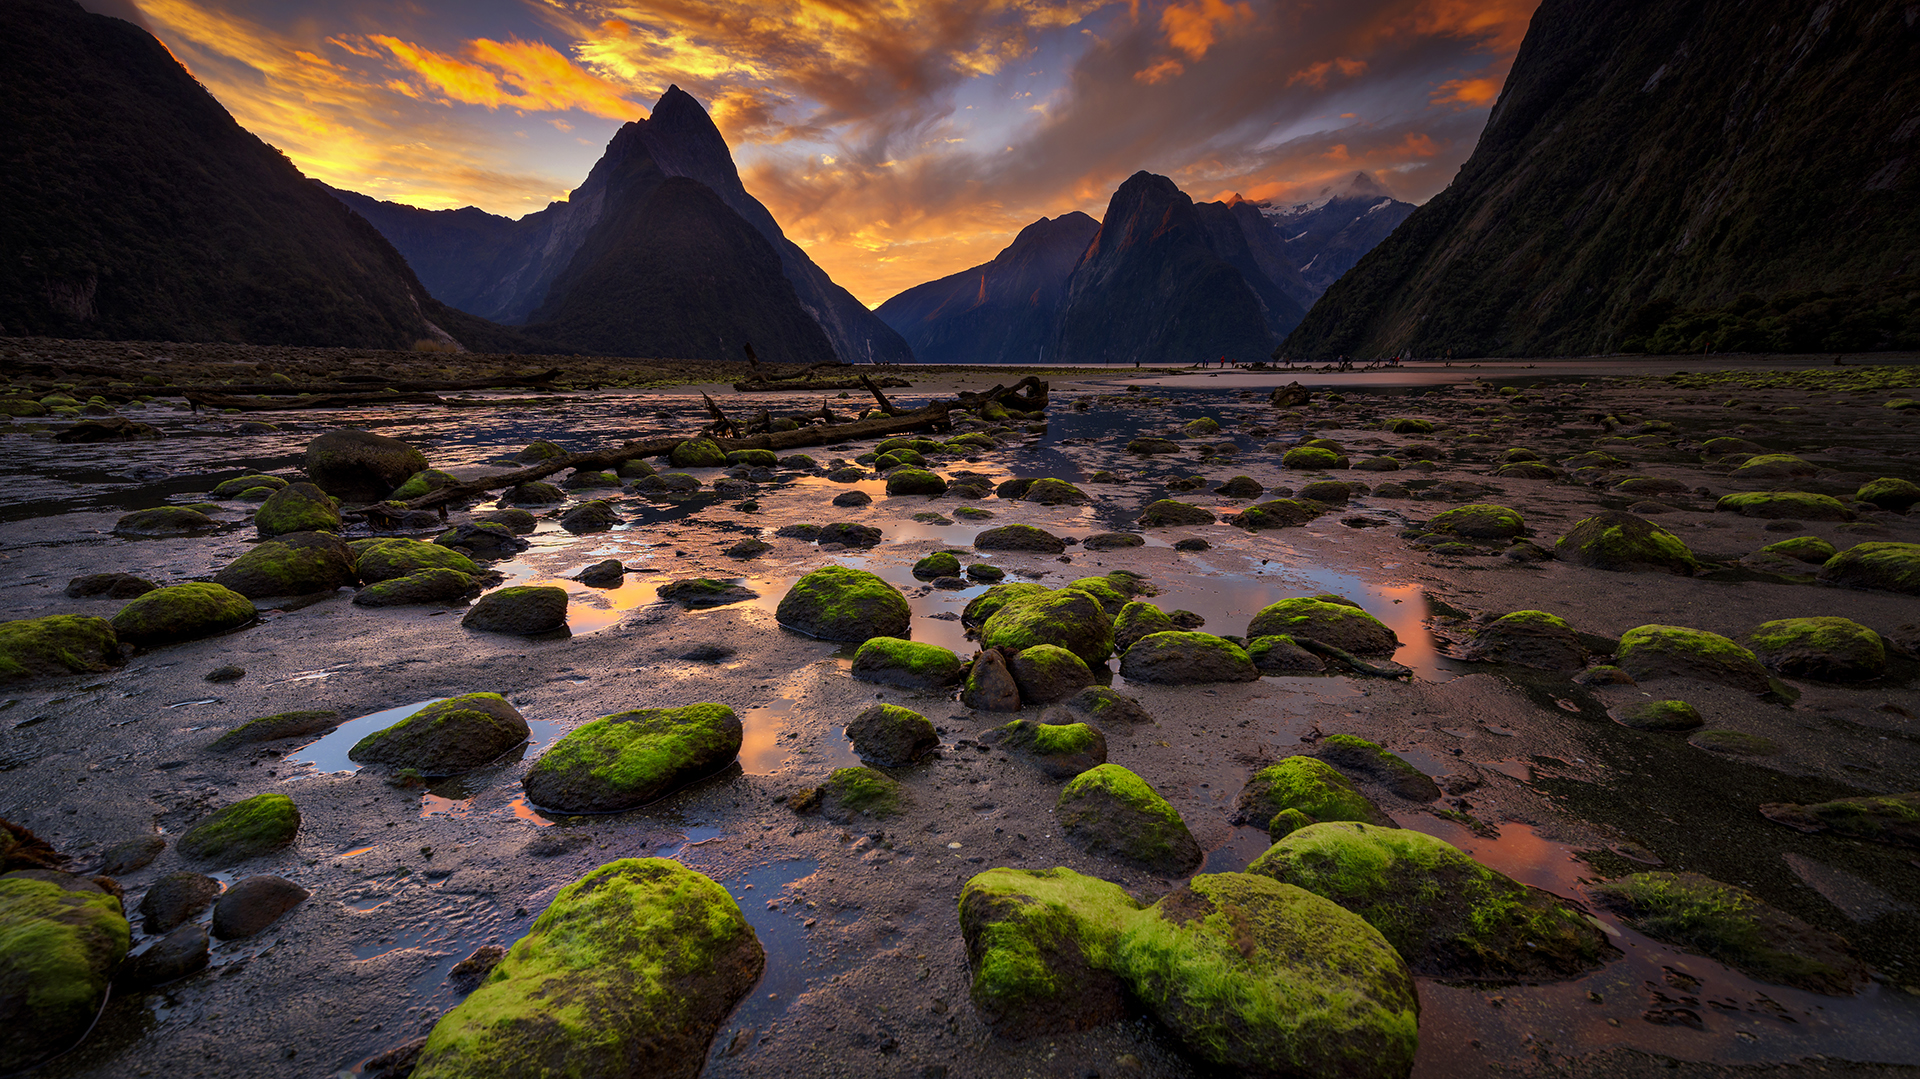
pixel 1002 311
pixel 1746 168
pixel 133 206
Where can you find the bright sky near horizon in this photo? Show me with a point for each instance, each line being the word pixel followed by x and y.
pixel 897 141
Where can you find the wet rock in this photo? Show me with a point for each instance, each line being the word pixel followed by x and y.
pixel 1604 675
pixel 468 973
pixel 850 793
pixel 1656 651
pixel 1180 658
pixel 1377 464
pixel 1659 716
pixel 1059 750
pixel 482 539
pixel 237 486
pixel 838 603
pixel 1889 493
pixel 386 559
pixel 1168 513
pixel 1809 549
pixel 110 585
pixel 1446 914
pixel 112 429
pixel 1150 446
pixel 915 481
pixel 1530 639
pixel 57 644
pixel 1329 492
pixel 1067 617
pixel 1276 513
pixel 447 737
pixel 522 610
pixel 1893 819
pixel 275 727
pixel 1649 486
pixel 1480 522
pixel 297 507
pixel 164 521
pixel 130 855
pixel 1194 543
pixel 687 956
pixel 1720 447
pixel 590 516
pixel 1112 541
pixel 64 936
pixel 1731 925
pixel 1279 654
pixel 891 736
pixel 1357 756
pixel 1886 567
pixel 293 564
pixel 1525 551
pixel 937 564
pixel 698 453
pixel 1019 538
pixel 852 498
pixel 253 904
pixel 1774 466
pixel 848 534
pixel 1045 673
pixel 1186 619
pixel 1136 620
pixel 1311 786
pixel 847 474
pixel 1053 492
pixel 981 571
pixel 699 593
pixel 1623 542
pixel 895 662
pixel 176 899
pixel 607 573
pixel 1527 470
pixel 360 466
pixel 751 547
pixel 631 758
pixel 246 829
pixel 1110 812
pixel 225 673
pixel 1829 649
pixel 1734 743
pixel 533 493
pixel 710 652
pixel 429 586
pixel 176 955
pixel 989 684
pixel 582 480
pixel 182 612
pixel 1341 624
pixel 423 482
pixel 1312 458
pixel 806 532
pixel 1783 505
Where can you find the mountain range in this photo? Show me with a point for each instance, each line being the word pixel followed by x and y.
pixel 1666 175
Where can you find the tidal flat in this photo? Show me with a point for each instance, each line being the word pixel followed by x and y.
pixel 1540 762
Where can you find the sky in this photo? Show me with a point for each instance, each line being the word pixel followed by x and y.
pixel 897 141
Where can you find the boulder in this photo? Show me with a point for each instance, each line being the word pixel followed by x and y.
pixel 233 488
pixel 1377 464
pixel 1357 756
pixel 482 539
pixel 446 737
pixel 839 603
pixel 182 612
pixel 1107 707
pixel 1886 567
pixel 1134 621
pixel 1339 624
pixel 61 937
pixel 891 736
pixel 986 604
pixel 1889 493
pixel 1110 812
pixel 176 899
pixel 293 564
pixel 937 564
pixel 246 829
pixel 1530 639
pixel 847 534
pixel 1733 926
pixel 1311 786
pixel 631 758
pixel 164 521
pixel 1060 750
pixel 533 493
pixel 915 481
pixel 297 507
pixel 630 971
pixel 386 559
pixel 892 661
pixel 428 586
pixel 1893 819
pixel 1328 492
pixel 181 952
pixel 253 904
pixel 1809 549
pixel 1734 743
pixel 280 725
pixel 1785 505
pixel 1045 673
pixel 1169 513
pixel 1019 538
pixel 1656 651
pixel 989 684
pixel 423 482
pixel 541 450
pixel 1113 591
pixel 1150 446
pixel 57 644
pixel 110 585
pixel 700 593
pixel 1481 522
pixel 1280 654
pixel 360 466
pixel 1182 658
pixel 1054 492
pixel 1277 513
pixel 698 453
pixel 850 793
pixel 593 515
pixel 1659 716
pixel 1774 466
pixel 521 610
pixel 1312 457
pixel 1622 542
pixel 1829 649
pixel 1447 915
pixel 1066 617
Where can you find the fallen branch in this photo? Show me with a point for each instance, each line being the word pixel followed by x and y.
pixel 886 406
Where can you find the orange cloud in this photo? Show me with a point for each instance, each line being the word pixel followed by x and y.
pixel 1315 74
pixel 1417 144
pixel 1192 28
pixel 1160 72
pixel 515 74
pixel 1477 93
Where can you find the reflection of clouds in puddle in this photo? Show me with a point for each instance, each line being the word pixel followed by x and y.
pixel 329 753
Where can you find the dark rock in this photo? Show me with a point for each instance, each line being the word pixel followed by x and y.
pixel 1530 639
pixel 483 539
pixel 699 593
pixel 446 737
pixel 164 521
pixel 1112 541
pixel 604 574
pixel 631 758
pixel 1179 657
pixel 891 736
pixel 1107 707
pixel 176 955
pixel 1110 812
pixel 852 498
pixel 1735 927
pixel 427 586
pixel 111 585
pixel 751 547
pixel 290 564
pixel 360 466
pixel 838 603
pixel 1045 673
pixel 522 610
pixel 175 899
pixel 1357 756
pixel 989 685
pixel 1192 544
pixel 471 971
pixel 848 534
pixel 590 516
pixel 253 904
pixel 225 673
pixel 1060 751
pixel 1019 538
pixel 130 855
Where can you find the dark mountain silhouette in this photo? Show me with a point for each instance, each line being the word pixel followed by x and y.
pixel 1001 311
pixel 1679 174
pixel 505 269
pixel 132 206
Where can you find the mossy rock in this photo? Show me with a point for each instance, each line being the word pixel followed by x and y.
pixel 1147 447
pixel 915 481
pixel 1170 513
pixel 1277 513
pixel 1336 623
pixel 57 644
pixel 1650 486
pixel 1659 716
pixel 422 482
pixel 1135 620
pixel 295 564
pixel 641 960
pixel 275 727
pixel 1308 458
pixel 583 480
pixel 1054 492
pixel 360 466
pixel 1107 707
pixel 700 593
pixel 636 468
pixel 631 758
pixel 891 736
pixel 838 603
pixel 1734 743
pixel 164 521
pixel 386 559
pixel 1377 464
pixel 521 611
pixel 182 612
pixel 1357 756
pixel 1889 493
pixel 892 661
pixel 1774 466
pixel 1734 927
pixel 1720 447
pixel 1251 977
pixel 447 737
pixel 753 458
pixel 858 792
pixel 1481 521
pixel 246 829
pixel 444 587
pixel 937 564
pixel 1066 617
pixel 698 453
pixel 1829 649
pixel 1785 505
pixel 900 458
pixel 1019 538
pixel 1280 654
pixel 1045 673
pixel 1624 543
pixel 1877 818
pixel 1112 592
pixel 1656 651
pixel 61 937
pixel 297 507
pixel 1309 785
pixel 1110 812
pixel 1407 425
pixel 1059 750
pixel 1185 658
pixel 533 493
pixel 539 451
pixel 1885 567
pixel 984 605
pixel 1447 915
pixel 1531 639
pixel 1809 549
pixel 1328 492
pixel 594 515
pixel 233 488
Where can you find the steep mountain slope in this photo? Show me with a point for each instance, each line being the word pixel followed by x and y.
pixel 1652 162
pixel 1326 236
pixel 1001 311
pixel 1152 288
pixel 133 206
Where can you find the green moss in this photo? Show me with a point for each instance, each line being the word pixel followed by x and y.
pixel 1662 716
pixel 839 603
pixel 1109 811
pixel 1019 538
pixel 1889 567
pixel 246 829
pixel 277 726
pixel 56 644
pixel 894 661
pixel 1171 513
pixel 915 481
pixel 1277 513
pixel 1737 743
pixel 1480 522
pixel 900 458
pixel 1774 466
pixel 58 949
pixel 984 605
pixel 1033 934
pixel 1069 618
pixel 1049 491
pixel 1623 542
pixel 937 564
pixel 233 488
pixel 1286 822
pixel 182 612
pixel 1354 752
pixel 298 507
pixel 1186 657
pixel 1112 597
pixel 1828 648
pixel 1810 549
pixel 1730 925
pixel 1409 426
pixel 1311 457
pixel 1780 505
pixel 1136 620
pixel 421 482
pixel 753 458
pixel 446 737
pixel 1878 818
pixel 1059 739
pixel 164 521
pixel 633 757
pixel 1654 650
pixel 698 453
pixel 386 559
pixel 862 790
pixel 1337 624
pixel 1889 493
pixel 1311 786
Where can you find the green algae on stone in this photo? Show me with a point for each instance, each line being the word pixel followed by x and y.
pixel 297 507
pixel 1339 624
pixel 447 737
pixel 701 593
pixel 1309 785
pixel 1113 593
pixel 386 559
pixel 1184 657
pixel 422 482
pixel 1049 491
pixel 856 792
pixel 1809 549
pixel 839 603
pixel 1623 542
pixel 271 728
pixel 1530 639
pixel 294 564
pixel 428 586
pixel 182 612
pixel 1312 457
pixel 1060 750
pixel 1734 743
pixel 1135 620
pixel 698 453
pixel 893 661
pixel 1830 649
pixel 234 487
pixel 1656 651
pixel 61 937
pixel 1660 716
pixel 1066 617
pixel 641 960
pixel 632 758
pixel 1446 914
pixel 1019 538
pixel 1774 466
pixel 1878 818
pixel 1045 673
pixel 1169 513
pixel 1109 811
pixel 1406 425
pixel 1352 753
pixel 1278 653
pixel 1731 925
pixel 915 481
pixel 1482 521
pixel 1785 505
pixel 753 458
pixel 937 564
pixel 1039 946
pixel 164 521
pixel 891 736
pixel 1277 513
pixel 359 465
pixel 246 829
pixel 1889 493
pixel 57 644
pixel 533 493
pixel 521 611
pixel 1886 567
pixel 984 605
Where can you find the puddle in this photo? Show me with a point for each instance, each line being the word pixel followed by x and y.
pixel 1241 848
pixel 329 753
pixel 779 920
